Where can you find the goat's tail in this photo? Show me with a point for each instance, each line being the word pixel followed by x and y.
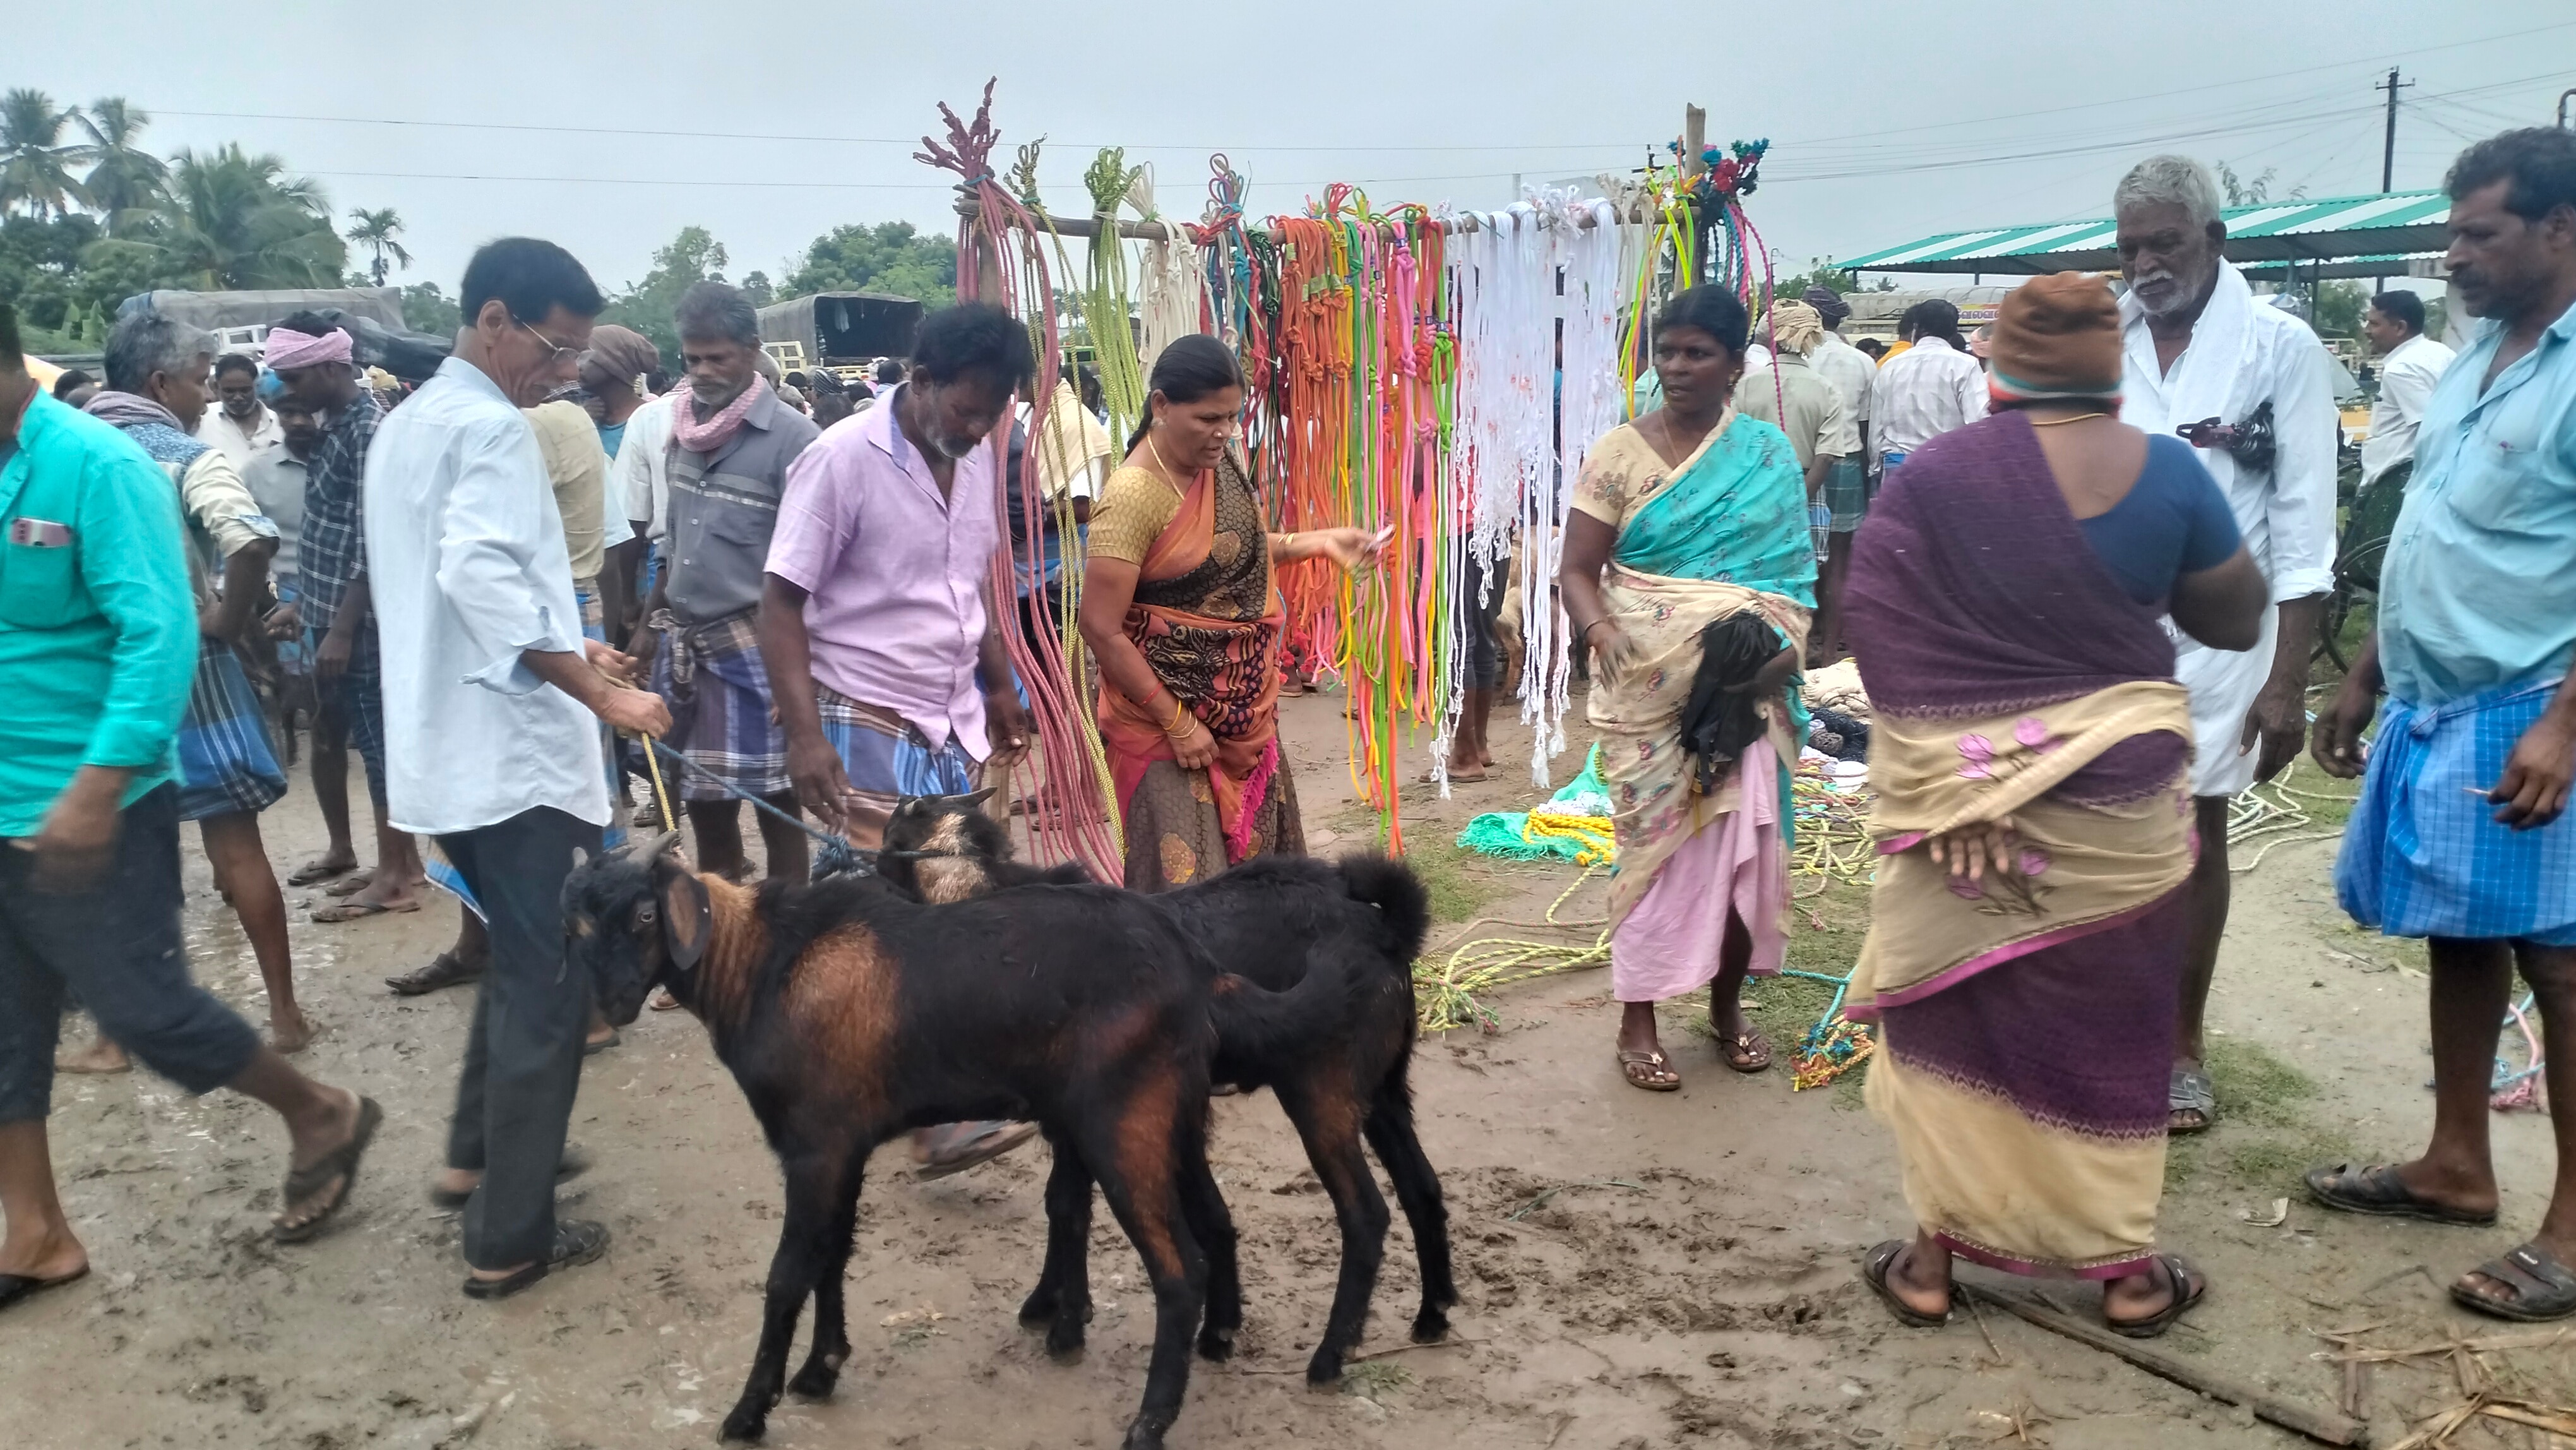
pixel 1400 898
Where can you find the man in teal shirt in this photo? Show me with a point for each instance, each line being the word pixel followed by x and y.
pixel 2460 834
pixel 98 645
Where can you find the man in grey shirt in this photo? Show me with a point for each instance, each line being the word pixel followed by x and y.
pixel 731 441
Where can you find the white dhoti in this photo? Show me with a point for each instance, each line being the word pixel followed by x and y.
pixel 2223 685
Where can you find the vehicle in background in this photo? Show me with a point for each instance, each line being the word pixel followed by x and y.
pixel 843 332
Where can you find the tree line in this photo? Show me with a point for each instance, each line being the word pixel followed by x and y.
pixel 89 217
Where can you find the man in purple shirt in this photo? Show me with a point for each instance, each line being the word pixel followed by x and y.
pixel 876 622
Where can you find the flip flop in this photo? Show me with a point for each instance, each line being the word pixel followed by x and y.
pixel 2543 1288
pixel 1748 1052
pixel 594 1049
pixel 14 1287
pixel 350 884
pixel 2190 1288
pixel 444 970
pixel 315 872
pixel 991 1141
pixel 1456 777
pixel 2377 1190
pixel 340 1163
pixel 663 1001
pixel 1873 1272
pixel 2191 1091
pixel 1651 1071
pixel 345 911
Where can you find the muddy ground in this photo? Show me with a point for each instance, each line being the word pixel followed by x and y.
pixel 1705 1298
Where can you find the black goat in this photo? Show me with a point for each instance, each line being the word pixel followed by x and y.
pixel 849 1013
pixel 1338 1070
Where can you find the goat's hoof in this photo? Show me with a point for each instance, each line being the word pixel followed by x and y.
pixel 1325 1368
pixel 745 1423
pixel 1430 1326
pixel 1144 1435
pixel 1216 1345
pixel 1064 1340
pixel 815 1380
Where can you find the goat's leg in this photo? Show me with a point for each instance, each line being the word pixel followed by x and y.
pixel 1213 1226
pixel 1417 1188
pixel 1329 1122
pixel 1062 1299
pixel 831 1347
pixel 804 1251
pixel 1138 1165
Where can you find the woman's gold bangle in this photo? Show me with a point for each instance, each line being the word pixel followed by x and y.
pixel 1172 728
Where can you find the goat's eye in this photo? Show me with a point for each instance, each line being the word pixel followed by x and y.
pixel 643 916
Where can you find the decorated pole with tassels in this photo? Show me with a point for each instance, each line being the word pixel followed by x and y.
pixel 1069 815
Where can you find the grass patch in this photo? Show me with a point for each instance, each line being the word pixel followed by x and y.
pixel 1374 1377
pixel 2264 1139
pixel 2255 1086
pixel 1457 893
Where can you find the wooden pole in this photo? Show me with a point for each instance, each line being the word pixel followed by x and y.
pixel 2330 1426
pixel 1088 228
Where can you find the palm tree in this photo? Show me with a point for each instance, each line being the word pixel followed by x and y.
pixel 233 220
pixel 126 179
pixel 35 164
pixel 375 231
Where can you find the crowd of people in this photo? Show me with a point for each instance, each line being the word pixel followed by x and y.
pixel 2079 565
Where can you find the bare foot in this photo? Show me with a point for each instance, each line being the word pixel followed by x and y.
pixel 101 1056
pixel 289 1034
pixel 393 893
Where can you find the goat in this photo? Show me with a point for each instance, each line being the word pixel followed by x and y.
pixel 1339 1074
pixel 849 1013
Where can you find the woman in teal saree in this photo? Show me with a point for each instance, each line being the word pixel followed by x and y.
pixel 1690 516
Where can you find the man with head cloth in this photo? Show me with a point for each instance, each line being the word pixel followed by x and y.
pixel 2200 347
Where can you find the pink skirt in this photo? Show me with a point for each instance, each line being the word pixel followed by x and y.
pixel 1734 865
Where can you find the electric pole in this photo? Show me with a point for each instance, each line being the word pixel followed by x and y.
pixel 2388 149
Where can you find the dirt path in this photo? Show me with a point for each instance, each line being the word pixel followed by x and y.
pixel 1705 1297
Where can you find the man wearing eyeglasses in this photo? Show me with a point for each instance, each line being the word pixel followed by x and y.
pixel 492 707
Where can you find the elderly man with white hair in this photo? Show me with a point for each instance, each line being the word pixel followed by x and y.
pixel 2245 384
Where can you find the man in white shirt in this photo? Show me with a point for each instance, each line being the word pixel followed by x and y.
pixel 2201 349
pixel 641 476
pixel 243 425
pixel 2410 365
pixel 1852 374
pixel 1927 390
pixel 492 746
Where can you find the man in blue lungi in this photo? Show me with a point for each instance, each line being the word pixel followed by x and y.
pixel 2460 834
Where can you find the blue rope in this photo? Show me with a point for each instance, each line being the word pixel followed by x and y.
pixel 837 856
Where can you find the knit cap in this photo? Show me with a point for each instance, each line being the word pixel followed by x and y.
pixel 2057 337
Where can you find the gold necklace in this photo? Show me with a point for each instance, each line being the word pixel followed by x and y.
pixel 1163 470
pixel 2070 418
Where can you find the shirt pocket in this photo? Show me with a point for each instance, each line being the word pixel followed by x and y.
pixel 40 588
pixel 2498 472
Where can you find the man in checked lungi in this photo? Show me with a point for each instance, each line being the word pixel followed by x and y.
pixel 157 372
pixel 2462 834
pixel 731 441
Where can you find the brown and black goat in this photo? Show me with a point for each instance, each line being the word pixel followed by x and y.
pixel 1339 1070
pixel 849 1013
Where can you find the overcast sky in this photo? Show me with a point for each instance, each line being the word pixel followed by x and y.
pixel 609 127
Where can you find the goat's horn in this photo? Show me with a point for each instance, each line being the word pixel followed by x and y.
pixel 653 850
pixel 977 799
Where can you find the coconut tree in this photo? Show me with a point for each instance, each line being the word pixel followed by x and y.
pixel 36 164
pixel 375 231
pixel 125 180
pixel 233 220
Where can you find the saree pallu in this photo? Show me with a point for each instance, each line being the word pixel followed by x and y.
pixel 2026 1021
pixel 1208 622
pixel 1724 533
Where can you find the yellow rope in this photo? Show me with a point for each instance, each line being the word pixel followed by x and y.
pixel 661 797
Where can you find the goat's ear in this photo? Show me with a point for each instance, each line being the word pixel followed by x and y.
pixel 687 918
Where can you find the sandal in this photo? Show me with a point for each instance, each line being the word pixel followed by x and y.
pixel 663 1001
pixel 340 1163
pixel 1649 1070
pixel 571 1165
pixel 577 1241
pixel 313 873
pixel 14 1287
pixel 353 910
pixel 2189 1288
pixel 2378 1191
pixel 2543 1288
pixel 594 1049
pixel 444 970
pixel 1747 1052
pixel 973 1143
pixel 1873 1272
pixel 350 884
pixel 2191 1091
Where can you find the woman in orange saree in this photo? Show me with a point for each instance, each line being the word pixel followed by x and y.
pixel 1180 607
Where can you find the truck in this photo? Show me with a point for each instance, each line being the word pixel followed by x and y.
pixel 844 332
pixel 240 322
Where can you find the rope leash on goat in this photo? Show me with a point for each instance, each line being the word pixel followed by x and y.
pixel 837 855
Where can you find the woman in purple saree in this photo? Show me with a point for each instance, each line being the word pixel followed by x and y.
pixel 2029 752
